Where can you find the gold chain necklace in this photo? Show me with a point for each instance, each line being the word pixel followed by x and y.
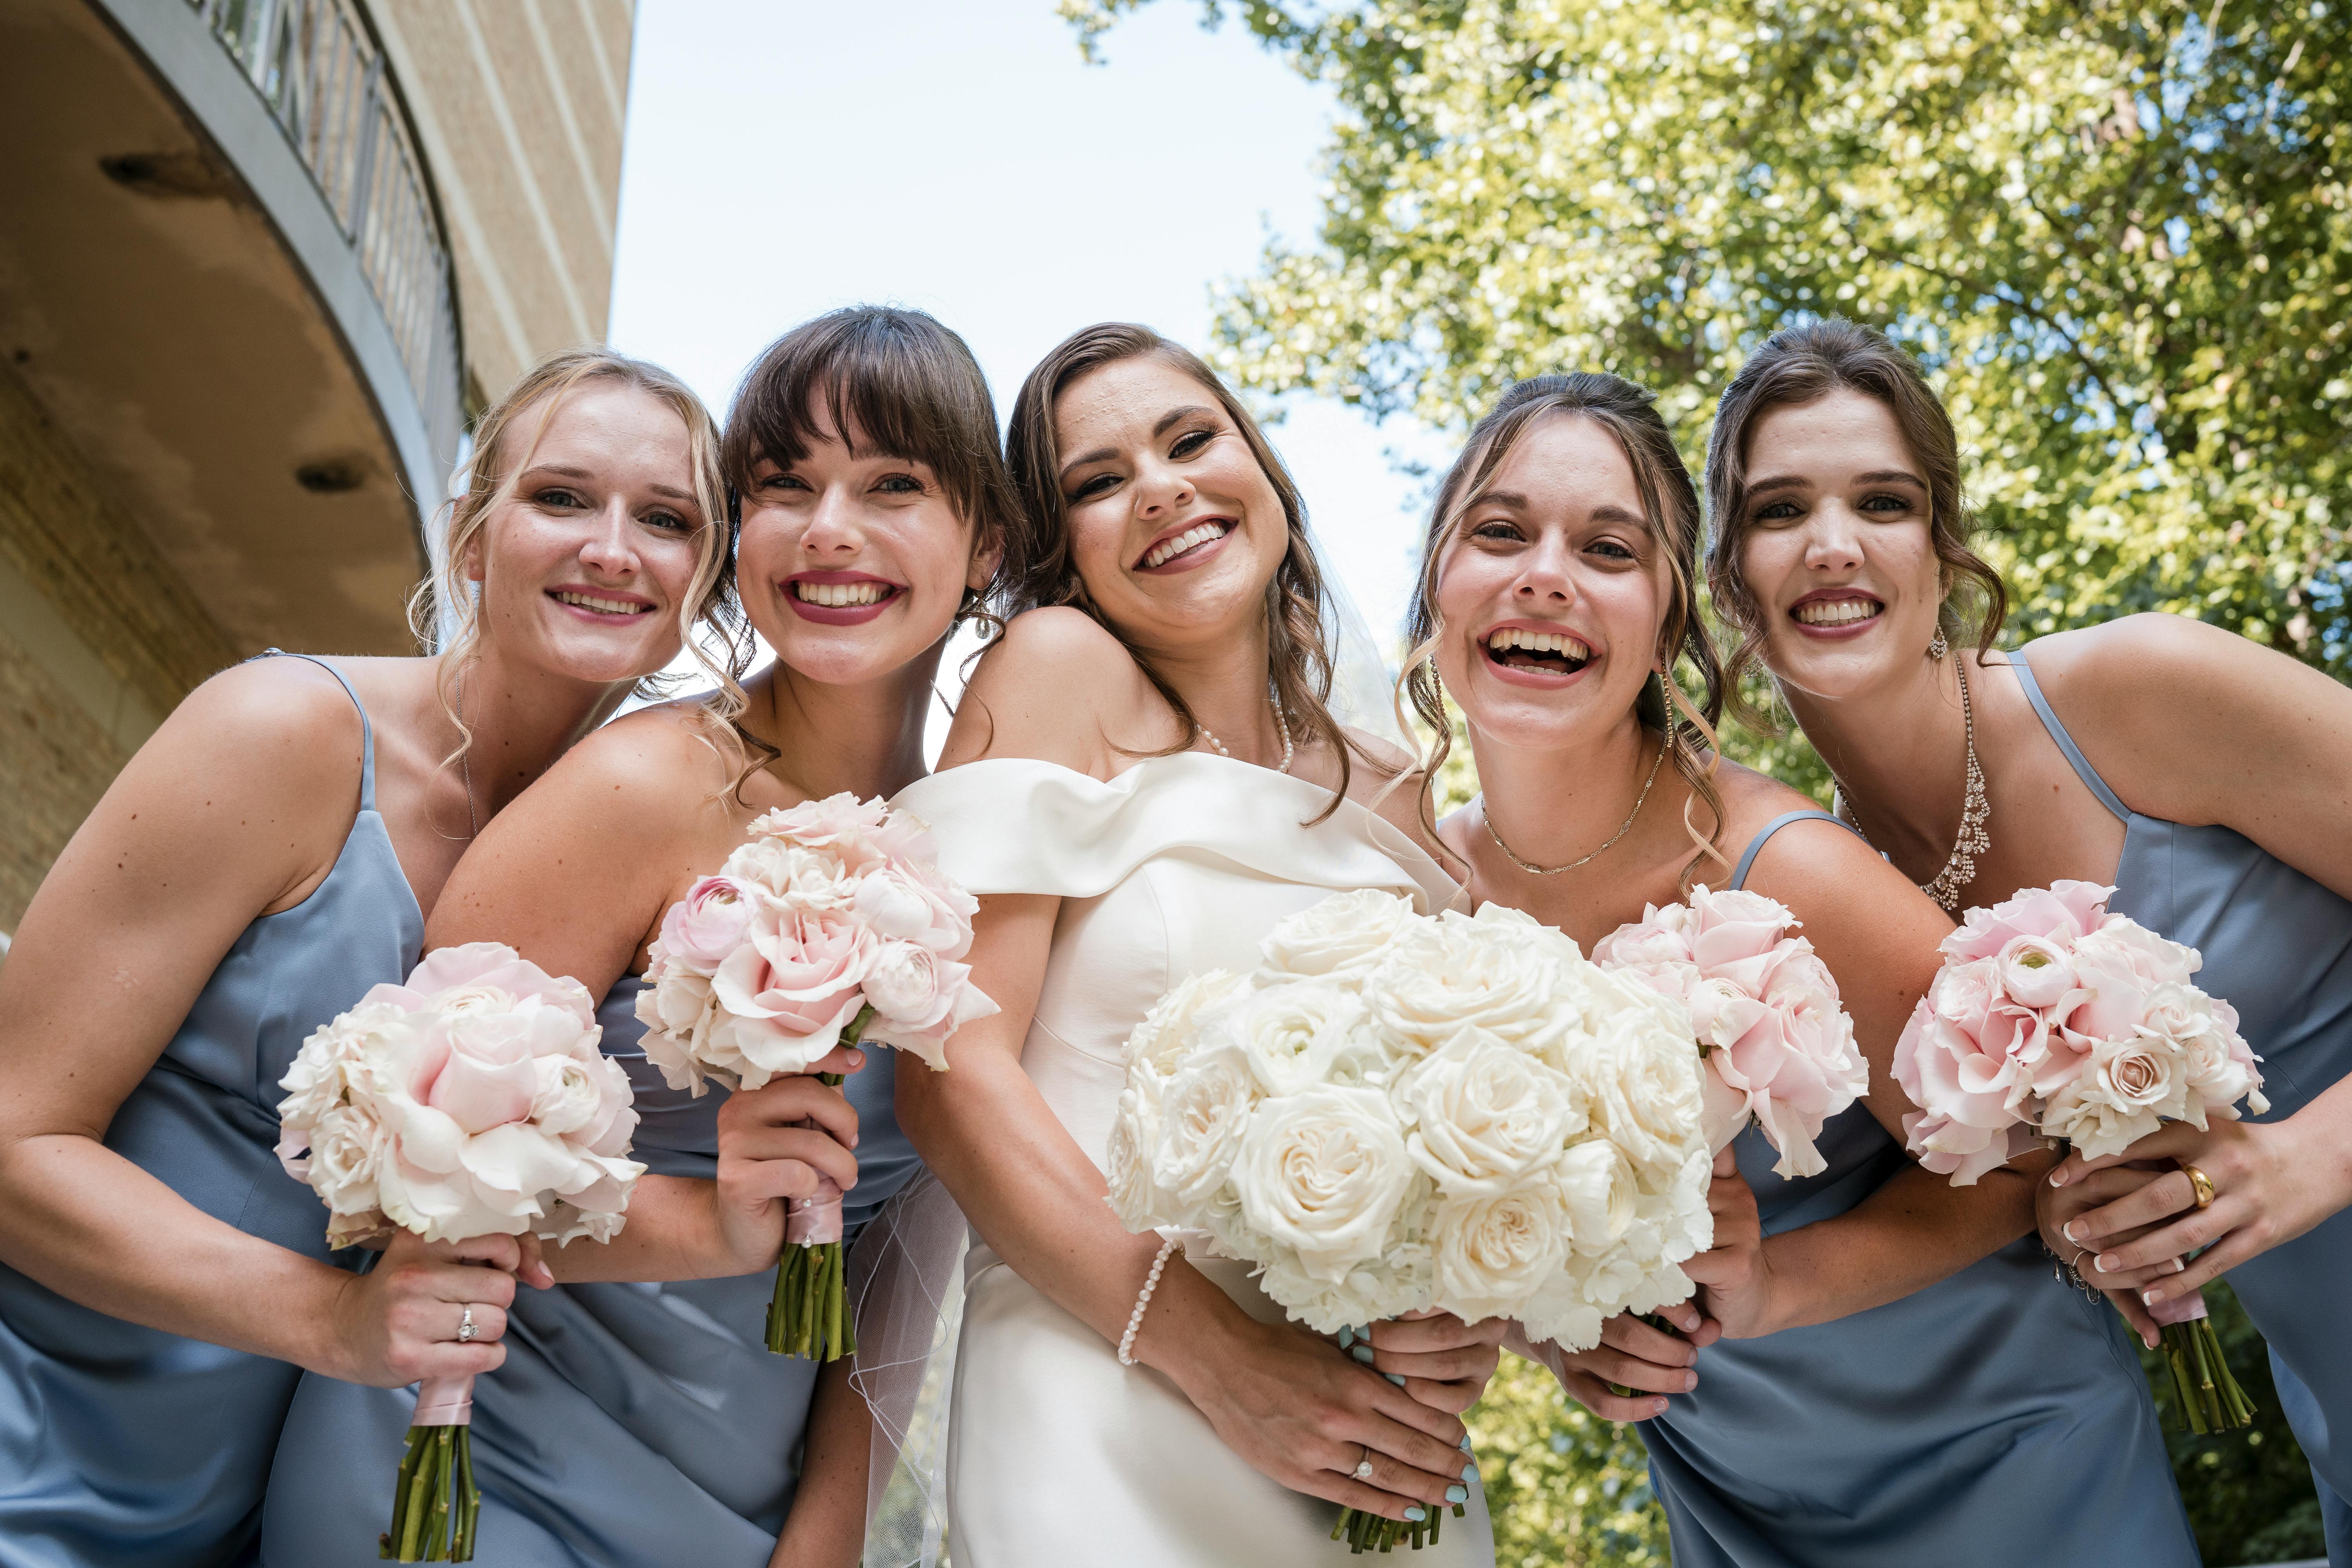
pixel 1975 810
pixel 1535 871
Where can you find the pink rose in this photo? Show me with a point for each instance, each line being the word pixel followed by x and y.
pixel 477 1071
pixel 2061 912
pixel 862 833
pixel 702 928
pixel 1735 935
pixel 792 987
pixel 485 967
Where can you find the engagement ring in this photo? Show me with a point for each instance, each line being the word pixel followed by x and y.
pixel 465 1329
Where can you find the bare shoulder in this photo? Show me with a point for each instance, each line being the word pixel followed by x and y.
pixel 1809 854
pixel 1057 686
pixel 282 730
pixel 2128 662
pixel 641 772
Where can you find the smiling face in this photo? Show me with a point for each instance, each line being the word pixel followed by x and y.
pixel 1835 546
pixel 853 563
pixel 1175 528
pixel 1552 591
pixel 586 560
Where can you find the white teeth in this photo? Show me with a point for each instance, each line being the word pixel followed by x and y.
pixel 591 602
pixel 1561 642
pixel 840 595
pixel 1837 612
pixel 1169 549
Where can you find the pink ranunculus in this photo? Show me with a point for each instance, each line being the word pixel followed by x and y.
pixel 909 901
pixel 1953 1149
pixel 2061 911
pixel 960 1002
pixel 702 928
pixel 2034 971
pixel 2112 1000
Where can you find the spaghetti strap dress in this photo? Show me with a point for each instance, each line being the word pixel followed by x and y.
pixel 129 1446
pixel 2278 948
pixel 632 1425
pixel 1998 1415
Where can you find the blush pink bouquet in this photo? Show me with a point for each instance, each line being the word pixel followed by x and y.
pixel 1776 1045
pixel 830 925
pixel 472 1100
pixel 2054 1018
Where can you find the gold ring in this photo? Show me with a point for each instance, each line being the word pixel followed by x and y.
pixel 2202 1182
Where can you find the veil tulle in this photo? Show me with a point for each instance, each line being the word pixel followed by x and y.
pixel 906 1271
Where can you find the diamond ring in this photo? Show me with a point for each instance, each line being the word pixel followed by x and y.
pixel 465 1329
pixel 1364 1465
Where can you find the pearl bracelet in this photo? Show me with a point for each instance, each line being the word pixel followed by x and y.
pixel 1135 1318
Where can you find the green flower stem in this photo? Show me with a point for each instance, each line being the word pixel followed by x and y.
pixel 809 1315
pixel 2211 1399
pixel 436 1504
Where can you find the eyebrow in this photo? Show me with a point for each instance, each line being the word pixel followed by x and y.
pixel 1513 500
pixel 568 472
pixel 1799 482
pixel 1104 454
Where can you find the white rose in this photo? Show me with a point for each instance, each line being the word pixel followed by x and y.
pixel 1598 1186
pixel 1127 1161
pixel 2117 1097
pixel 1204 1114
pixel 1292 1034
pixel 1166 1035
pixel 1441 977
pixel 1485 1115
pixel 1339 939
pixel 346 1152
pixel 1322 1173
pixel 1644 1087
pixel 1493 1253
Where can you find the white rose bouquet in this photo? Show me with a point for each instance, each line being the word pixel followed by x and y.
pixel 831 925
pixel 472 1100
pixel 1777 1044
pixel 1397 1113
pixel 2054 1017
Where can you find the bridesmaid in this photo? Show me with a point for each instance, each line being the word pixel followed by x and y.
pixel 648 1423
pixel 1899 1379
pixel 266 857
pixel 2205 777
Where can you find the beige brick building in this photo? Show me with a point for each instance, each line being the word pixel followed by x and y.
pixel 260 260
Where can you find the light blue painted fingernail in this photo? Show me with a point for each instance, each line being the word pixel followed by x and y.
pixel 1470 1474
pixel 1347 1337
pixel 1395 1377
pixel 1457 1494
pixel 1362 1354
pixel 1466 1444
pixel 1415 1513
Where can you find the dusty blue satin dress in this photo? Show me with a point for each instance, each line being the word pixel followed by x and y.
pixel 2278 948
pixel 1997 1416
pixel 633 1425
pixel 129 1447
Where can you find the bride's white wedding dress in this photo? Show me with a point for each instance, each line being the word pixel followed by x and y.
pixel 1057 1455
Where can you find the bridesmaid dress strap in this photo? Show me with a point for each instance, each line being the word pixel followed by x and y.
pixel 2082 765
pixel 1746 859
pixel 367 731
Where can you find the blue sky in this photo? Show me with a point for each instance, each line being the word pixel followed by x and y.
pixel 785 157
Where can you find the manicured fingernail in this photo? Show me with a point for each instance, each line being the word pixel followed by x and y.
pixel 1395 1377
pixel 2100 1263
pixel 1415 1513
pixel 1362 1354
pixel 1348 1337
pixel 2067 1230
pixel 1457 1494
pixel 2174 1266
pixel 1470 1475
pixel 2057 1178
pixel 2150 1297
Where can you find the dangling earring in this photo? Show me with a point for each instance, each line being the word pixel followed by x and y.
pixel 1939 647
pixel 1667 693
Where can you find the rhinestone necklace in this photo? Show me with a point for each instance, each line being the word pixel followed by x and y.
pixel 1280 722
pixel 1975 809
pixel 1623 829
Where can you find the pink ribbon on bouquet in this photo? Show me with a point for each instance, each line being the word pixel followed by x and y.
pixel 814 1220
pixel 2179 1310
pixel 445 1402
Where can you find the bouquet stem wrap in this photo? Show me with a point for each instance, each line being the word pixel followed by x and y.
pixel 435 1505
pixel 810 1315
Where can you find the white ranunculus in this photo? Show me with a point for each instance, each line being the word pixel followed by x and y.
pixel 1292 1034
pixel 1599 1188
pixel 1339 939
pixel 2119 1096
pixel 1167 1033
pixel 1493 1253
pixel 1322 1173
pixel 1204 1114
pixel 1485 1115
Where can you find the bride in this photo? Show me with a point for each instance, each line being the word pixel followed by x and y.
pixel 1144 777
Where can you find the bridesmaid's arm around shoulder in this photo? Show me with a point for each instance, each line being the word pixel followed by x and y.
pixel 236 808
pixel 2193 724
pixel 575 875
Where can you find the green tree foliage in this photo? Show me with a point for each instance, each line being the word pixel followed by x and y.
pixel 1566 1488
pixel 2117 231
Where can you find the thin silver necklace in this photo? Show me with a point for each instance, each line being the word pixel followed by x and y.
pixel 1975 810
pixel 1623 829
pixel 1280 724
